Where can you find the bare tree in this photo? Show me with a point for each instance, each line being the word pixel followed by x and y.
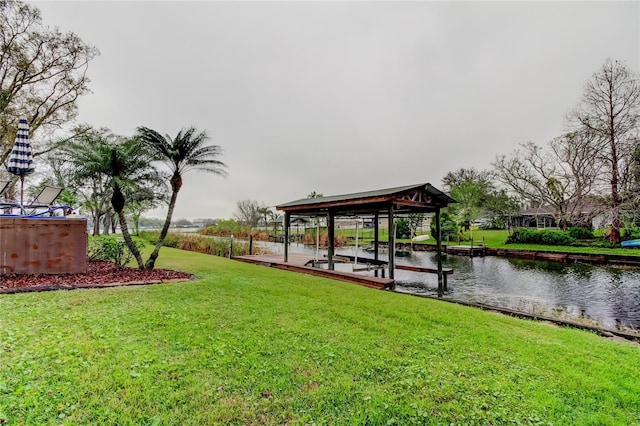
pixel 561 177
pixel 42 72
pixel 248 212
pixel 610 112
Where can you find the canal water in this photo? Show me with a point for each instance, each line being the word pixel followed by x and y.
pixel 607 297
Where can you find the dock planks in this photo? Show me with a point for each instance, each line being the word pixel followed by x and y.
pixel 466 250
pixel 301 262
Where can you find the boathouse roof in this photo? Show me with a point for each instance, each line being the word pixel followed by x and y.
pixel 417 198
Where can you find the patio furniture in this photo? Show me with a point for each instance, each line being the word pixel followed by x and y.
pixel 44 200
pixel 6 205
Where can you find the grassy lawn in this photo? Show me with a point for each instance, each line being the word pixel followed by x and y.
pixel 497 238
pixel 245 344
pixel 492 238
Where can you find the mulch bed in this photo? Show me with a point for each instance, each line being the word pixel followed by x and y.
pixel 99 274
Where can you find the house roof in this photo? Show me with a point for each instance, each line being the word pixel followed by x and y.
pixel 416 198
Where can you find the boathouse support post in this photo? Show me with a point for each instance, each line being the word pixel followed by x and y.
pixel 287 222
pixel 441 286
pixel 331 237
pixel 376 231
pixel 392 243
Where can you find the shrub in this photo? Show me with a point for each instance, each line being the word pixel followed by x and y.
pixel 402 228
pixel 631 233
pixel 448 226
pixel 171 240
pixel 580 233
pixel 545 236
pixel 111 249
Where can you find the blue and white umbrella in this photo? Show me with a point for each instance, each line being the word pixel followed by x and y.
pixel 21 158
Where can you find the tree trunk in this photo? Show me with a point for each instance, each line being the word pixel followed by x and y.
pixel 136 224
pixel 106 224
pixel 163 233
pixel 614 236
pixel 96 221
pixel 127 239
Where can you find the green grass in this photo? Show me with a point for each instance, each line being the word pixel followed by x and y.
pixel 492 238
pixel 496 239
pixel 245 344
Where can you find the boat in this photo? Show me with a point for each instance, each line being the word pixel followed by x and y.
pixel 421 238
pixel 630 243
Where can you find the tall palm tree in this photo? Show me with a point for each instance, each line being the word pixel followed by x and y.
pixel 187 151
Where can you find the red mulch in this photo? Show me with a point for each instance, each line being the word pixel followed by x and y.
pixel 99 274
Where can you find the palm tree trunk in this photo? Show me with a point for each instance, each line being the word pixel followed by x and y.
pixel 128 240
pixel 163 233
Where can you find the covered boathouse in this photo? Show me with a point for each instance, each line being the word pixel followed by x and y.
pixel 384 203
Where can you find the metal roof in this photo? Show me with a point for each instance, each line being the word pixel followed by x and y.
pixel 421 197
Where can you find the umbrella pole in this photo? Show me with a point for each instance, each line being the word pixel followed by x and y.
pixel 22 195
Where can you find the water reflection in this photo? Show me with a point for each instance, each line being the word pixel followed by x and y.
pixel 608 297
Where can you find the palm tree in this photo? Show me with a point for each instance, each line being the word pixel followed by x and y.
pixel 75 162
pixel 124 166
pixel 187 151
pixel 128 166
pixel 265 212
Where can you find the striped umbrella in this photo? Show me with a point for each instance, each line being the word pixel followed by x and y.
pixel 21 158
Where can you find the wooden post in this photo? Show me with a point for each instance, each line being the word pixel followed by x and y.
pixel 331 232
pixel 375 241
pixel 250 245
pixel 441 286
pixel 287 221
pixel 392 243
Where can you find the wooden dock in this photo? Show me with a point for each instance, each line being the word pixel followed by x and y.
pixel 301 263
pixel 279 238
pixel 445 271
pixel 466 250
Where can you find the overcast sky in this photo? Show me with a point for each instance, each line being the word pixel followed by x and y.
pixel 340 97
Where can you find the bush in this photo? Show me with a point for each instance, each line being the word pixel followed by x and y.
pixel 111 249
pixel 580 233
pixel 171 240
pixel 448 226
pixel 631 233
pixel 402 228
pixel 547 237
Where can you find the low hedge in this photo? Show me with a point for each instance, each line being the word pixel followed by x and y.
pixel 544 236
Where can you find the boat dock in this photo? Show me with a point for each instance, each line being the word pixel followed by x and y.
pixel 466 250
pixel 303 263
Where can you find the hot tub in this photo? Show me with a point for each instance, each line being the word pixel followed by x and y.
pixel 43 245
